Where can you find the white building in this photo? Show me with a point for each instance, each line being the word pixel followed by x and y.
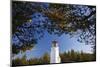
pixel 54 54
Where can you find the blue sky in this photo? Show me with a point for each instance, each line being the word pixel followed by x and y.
pixel 65 44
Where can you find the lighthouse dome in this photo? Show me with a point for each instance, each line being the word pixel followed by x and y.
pixel 54 43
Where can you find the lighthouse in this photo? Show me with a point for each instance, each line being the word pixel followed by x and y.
pixel 54 54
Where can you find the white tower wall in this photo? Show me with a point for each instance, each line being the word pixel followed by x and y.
pixel 54 55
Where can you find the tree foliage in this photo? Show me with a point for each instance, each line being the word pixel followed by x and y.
pixel 73 56
pixel 31 20
pixel 66 57
pixel 45 59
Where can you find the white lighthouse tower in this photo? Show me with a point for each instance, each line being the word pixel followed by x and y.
pixel 54 54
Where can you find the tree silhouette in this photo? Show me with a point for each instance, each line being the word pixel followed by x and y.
pixel 30 20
